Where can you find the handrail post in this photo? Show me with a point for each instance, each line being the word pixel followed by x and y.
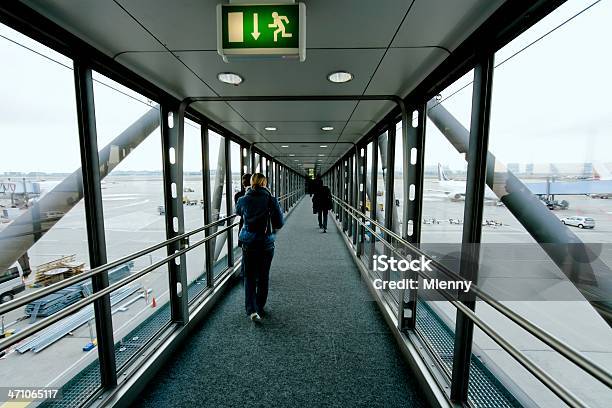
pixel 172 154
pixel 472 227
pixel 94 217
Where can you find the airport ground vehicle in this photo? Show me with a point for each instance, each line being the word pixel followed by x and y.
pixel 11 283
pixel 555 205
pixel 578 221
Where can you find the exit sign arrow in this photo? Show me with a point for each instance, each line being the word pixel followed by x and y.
pixel 255 32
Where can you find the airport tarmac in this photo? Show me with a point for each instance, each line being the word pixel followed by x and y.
pixel 133 222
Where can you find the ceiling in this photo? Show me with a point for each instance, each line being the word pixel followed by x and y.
pixel 388 45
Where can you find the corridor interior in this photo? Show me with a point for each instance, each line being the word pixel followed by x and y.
pixel 323 343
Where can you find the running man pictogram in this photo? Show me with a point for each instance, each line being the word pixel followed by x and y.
pixel 280 26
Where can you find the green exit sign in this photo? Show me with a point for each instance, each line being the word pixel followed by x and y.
pixel 261 30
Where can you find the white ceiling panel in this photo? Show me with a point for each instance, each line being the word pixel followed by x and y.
pixel 300 128
pixel 180 25
pixel 403 68
pixel 352 24
pixel 100 23
pixel 443 23
pixel 287 77
pixel 295 111
pixel 165 70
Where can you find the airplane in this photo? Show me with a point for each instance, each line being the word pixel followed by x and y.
pixel 454 190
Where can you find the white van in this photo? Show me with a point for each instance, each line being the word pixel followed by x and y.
pixel 11 283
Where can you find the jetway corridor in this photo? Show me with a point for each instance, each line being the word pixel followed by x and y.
pixel 324 341
pixel 467 261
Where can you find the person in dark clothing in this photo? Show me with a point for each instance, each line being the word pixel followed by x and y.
pixel 321 204
pixel 262 215
pixel 246 184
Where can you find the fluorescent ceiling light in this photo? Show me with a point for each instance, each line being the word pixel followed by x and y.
pixel 327 128
pixel 270 128
pixel 229 78
pixel 291 155
pixel 296 160
pixel 323 146
pixel 339 77
pixel 321 155
pixel 285 146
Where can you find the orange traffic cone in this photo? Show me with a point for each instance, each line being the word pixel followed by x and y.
pixel 154 303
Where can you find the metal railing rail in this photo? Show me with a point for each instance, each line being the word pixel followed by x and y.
pixel 23 300
pixel 562 348
pixel 42 324
pixel 46 322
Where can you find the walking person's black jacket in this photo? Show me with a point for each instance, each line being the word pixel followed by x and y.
pixel 262 215
pixel 322 200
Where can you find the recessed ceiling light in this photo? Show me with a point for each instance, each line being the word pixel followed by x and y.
pixel 229 78
pixel 291 155
pixel 270 128
pixel 321 155
pixel 285 146
pixel 320 160
pixel 296 160
pixel 327 128
pixel 339 77
pixel 323 146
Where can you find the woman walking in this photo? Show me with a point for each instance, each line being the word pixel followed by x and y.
pixel 261 214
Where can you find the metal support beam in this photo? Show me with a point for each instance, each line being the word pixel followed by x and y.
pixel 207 208
pixel 413 209
pixel 229 200
pixel 94 217
pixel 172 154
pixel 362 170
pixel 373 186
pixel 472 226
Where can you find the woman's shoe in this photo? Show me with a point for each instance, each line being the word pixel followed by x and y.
pixel 255 317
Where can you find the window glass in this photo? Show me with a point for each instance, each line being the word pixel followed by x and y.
pixel 43 236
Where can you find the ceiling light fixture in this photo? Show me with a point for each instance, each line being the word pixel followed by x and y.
pixel 229 78
pixel 327 128
pixel 291 155
pixel 284 146
pixel 321 155
pixel 323 146
pixel 339 77
pixel 270 128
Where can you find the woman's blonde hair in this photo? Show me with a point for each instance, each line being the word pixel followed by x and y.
pixel 258 180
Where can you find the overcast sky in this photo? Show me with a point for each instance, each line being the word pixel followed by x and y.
pixel 550 103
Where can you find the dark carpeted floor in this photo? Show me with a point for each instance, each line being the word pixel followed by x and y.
pixel 324 342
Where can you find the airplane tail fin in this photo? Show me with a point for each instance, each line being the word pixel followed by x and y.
pixel 601 172
pixel 441 174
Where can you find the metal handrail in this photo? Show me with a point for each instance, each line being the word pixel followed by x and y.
pixel 46 322
pixel 567 351
pixel 553 342
pixel 24 300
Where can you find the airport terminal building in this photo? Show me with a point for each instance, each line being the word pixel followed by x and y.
pixel 437 221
